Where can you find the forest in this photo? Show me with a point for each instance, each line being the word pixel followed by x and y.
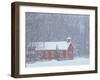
pixel 57 27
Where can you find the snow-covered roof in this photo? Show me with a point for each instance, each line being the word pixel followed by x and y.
pixel 51 45
pixel 69 38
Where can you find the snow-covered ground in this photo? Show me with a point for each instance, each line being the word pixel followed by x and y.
pixel 75 61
